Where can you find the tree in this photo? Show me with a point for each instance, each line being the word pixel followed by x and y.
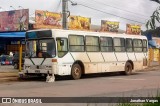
pixel 158 1
pixel 155 18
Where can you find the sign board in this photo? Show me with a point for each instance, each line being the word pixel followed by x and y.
pixel 133 29
pixel 109 26
pixel 79 23
pixel 45 19
pixel 15 20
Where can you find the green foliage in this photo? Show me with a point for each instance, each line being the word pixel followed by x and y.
pixel 129 104
pixel 155 18
pixel 156 1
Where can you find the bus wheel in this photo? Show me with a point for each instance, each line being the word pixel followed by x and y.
pixel 76 71
pixel 128 68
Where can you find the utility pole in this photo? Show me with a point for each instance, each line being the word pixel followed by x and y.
pixel 64 14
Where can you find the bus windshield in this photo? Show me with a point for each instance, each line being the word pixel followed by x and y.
pixel 40 48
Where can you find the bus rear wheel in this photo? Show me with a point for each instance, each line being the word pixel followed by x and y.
pixel 128 69
pixel 76 71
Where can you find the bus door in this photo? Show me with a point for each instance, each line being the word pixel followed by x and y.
pixel 138 50
pixel 145 49
pixel 129 49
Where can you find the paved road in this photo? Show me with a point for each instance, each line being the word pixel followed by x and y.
pixel 137 85
pixel 7 68
pixel 92 85
pixel 8 73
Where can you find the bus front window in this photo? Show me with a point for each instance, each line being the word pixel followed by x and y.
pixel 31 48
pixel 43 48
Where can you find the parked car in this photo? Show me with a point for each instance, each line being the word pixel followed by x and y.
pixel 6 60
pixel 15 60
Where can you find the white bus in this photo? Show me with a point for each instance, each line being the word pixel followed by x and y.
pixel 67 52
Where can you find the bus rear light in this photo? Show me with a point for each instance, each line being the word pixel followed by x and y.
pixel 54 60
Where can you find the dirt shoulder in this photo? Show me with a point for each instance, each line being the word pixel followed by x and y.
pixel 152 68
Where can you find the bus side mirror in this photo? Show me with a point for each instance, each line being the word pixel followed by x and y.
pixel 62 43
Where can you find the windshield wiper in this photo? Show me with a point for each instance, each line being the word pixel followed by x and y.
pixel 32 54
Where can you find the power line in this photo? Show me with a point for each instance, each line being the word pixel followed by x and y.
pixel 32 14
pixel 120 9
pixel 58 5
pixel 108 13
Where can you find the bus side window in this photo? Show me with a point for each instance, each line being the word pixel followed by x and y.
pixel 92 44
pixel 106 44
pixel 144 45
pixel 62 46
pixel 137 45
pixel 129 45
pixel 62 43
pixel 119 44
pixel 76 43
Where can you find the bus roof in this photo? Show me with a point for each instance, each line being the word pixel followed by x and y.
pixel 78 32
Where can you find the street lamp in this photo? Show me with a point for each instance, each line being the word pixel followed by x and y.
pixel 20 7
pixel 73 3
pixel 1 9
pixel 12 7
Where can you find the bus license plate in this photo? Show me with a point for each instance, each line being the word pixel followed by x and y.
pixel 37 71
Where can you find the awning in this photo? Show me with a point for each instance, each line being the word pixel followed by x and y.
pixel 12 34
pixel 152 43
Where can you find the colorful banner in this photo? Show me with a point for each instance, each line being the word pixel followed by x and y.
pixel 79 23
pixel 133 29
pixel 109 26
pixel 45 19
pixel 15 20
pixel 156 55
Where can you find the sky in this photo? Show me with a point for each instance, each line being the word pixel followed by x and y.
pixel 123 11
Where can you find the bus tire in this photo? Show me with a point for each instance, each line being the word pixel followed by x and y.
pixel 76 71
pixel 128 69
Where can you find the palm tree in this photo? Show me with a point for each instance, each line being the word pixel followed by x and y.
pixel 154 18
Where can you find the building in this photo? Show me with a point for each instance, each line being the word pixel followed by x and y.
pixel 9 41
